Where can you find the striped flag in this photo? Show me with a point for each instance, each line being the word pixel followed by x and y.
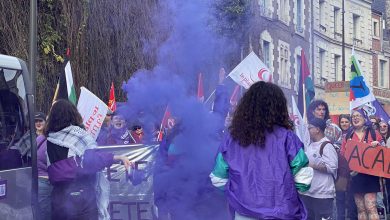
pixel 65 88
pixel 360 93
pixel 69 84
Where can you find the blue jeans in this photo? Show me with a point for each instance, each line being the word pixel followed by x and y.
pixel 44 198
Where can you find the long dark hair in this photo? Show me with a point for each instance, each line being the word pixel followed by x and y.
pixel 62 114
pixel 346 116
pixel 313 105
pixel 263 106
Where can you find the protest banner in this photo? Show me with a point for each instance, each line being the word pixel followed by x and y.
pixel 337 97
pixel 131 194
pixel 364 158
pixel 92 110
pixel 250 70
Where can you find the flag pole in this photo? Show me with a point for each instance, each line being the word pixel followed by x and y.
pixel 209 97
pixel 304 102
pixel 56 91
pixel 213 93
pixel 159 138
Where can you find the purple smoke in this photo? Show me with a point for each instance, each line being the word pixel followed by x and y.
pixel 191 47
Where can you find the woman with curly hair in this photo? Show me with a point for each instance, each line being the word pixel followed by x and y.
pixel 261 157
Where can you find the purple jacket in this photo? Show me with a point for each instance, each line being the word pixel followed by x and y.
pixel 42 158
pixel 73 168
pixel 260 181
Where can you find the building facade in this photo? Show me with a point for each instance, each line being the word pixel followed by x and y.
pixel 381 54
pixel 327 40
pixel 282 29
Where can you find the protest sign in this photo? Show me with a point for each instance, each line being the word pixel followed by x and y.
pixel 92 110
pixel 364 158
pixel 337 97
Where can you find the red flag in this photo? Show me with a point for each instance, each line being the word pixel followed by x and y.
pixel 164 123
pixel 111 101
pixel 200 88
pixel 234 97
pixel 68 52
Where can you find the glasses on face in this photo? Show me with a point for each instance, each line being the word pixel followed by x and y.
pixel 38 121
pixel 356 116
pixel 383 126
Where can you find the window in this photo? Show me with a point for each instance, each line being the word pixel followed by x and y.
pixel 284 64
pixel 338 73
pixel 265 8
pixel 321 65
pixel 267 49
pixel 284 10
pixel 321 12
pixel 376 28
pixel 336 18
pixel 355 27
pixel 382 73
pixel 299 15
pixel 266 53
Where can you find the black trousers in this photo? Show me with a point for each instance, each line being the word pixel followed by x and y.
pixel 318 209
pixel 74 203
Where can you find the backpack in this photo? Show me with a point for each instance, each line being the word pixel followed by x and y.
pixel 341 182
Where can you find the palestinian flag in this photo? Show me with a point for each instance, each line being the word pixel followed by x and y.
pixel 305 79
pixel 65 88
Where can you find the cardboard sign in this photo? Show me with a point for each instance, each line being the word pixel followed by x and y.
pixel 364 158
pixel 92 110
pixel 338 102
pixel 337 97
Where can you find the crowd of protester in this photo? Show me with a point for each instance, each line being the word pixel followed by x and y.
pixel 264 169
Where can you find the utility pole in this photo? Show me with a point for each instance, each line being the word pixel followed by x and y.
pixel 31 103
pixel 343 39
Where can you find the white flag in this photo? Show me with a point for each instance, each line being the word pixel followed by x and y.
pixel 250 70
pixel 300 127
pixel 92 110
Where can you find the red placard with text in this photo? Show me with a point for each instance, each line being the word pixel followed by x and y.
pixel 364 158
